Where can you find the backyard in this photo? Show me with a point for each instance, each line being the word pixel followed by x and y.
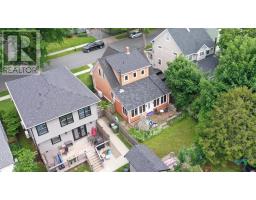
pixel 180 134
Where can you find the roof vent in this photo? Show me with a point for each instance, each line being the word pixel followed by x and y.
pixel 121 91
pixel 127 50
pixel 188 29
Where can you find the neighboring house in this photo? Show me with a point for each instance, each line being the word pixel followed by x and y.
pixel 128 81
pixel 142 159
pixel 6 158
pixel 196 44
pixel 57 112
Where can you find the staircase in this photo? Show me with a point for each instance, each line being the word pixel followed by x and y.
pixel 94 161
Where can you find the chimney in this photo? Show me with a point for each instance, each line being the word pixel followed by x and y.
pixel 127 50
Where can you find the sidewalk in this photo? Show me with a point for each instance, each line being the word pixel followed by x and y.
pixel 5 97
pixel 84 71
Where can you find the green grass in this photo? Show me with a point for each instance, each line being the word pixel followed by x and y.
pixel 121 169
pixel 124 140
pixel 4 93
pixel 69 42
pixel 78 69
pixel 227 167
pixel 84 167
pixel 63 54
pixel 87 80
pixel 171 139
pixel 6 105
pixel 149 46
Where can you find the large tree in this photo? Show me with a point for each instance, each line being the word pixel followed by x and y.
pixel 237 63
pixel 183 78
pixel 229 132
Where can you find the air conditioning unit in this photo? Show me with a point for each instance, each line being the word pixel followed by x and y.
pixel 27 134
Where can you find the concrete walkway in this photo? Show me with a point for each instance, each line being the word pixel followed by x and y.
pixel 68 49
pixel 5 97
pixel 114 163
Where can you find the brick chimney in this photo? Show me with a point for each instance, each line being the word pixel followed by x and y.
pixel 127 50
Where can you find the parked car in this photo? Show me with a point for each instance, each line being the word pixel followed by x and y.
pixel 135 34
pixel 99 44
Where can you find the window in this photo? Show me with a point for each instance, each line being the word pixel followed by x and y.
pixel 124 111
pixel 99 72
pixel 66 119
pixel 135 112
pixel 79 132
pixel 157 102
pixel 207 52
pixel 84 112
pixel 159 61
pixel 41 129
pixel 201 53
pixel 190 57
pixel 159 47
pixel 162 99
pixel 142 72
pixel 126 77
pixel 142 108
pixel 165 98
pixel 56 139
pixel 134 74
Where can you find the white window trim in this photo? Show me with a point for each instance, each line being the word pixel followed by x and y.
pixel 127 78
pixel 135 74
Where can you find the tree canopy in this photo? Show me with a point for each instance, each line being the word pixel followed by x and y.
pixel 237 63
pixel 229 132
pixel 26 161
pixel 183 78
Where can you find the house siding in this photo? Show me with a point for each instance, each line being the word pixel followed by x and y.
pixel 101 84
pixel 132 79
pixel 166 52
pixel 55 129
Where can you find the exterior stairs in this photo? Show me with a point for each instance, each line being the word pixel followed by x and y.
pixel 94 161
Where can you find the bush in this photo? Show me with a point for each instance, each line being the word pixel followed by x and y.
pixel 142 136
pixel 11 122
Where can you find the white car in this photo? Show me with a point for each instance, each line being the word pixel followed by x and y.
pixel 135 34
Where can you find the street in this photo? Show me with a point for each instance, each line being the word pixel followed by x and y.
pixel 79 59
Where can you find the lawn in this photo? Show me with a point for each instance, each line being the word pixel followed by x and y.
pixel 171 139
pixel 4 93
pixel 69 42
pixel 63 53
pixel 87 80
pixel 6 105
pixel 84 167
pixel 78 69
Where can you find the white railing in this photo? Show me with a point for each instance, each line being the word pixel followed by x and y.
pixel 103 143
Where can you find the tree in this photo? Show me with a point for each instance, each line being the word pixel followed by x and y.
pixel 227 35
pixel 183 78
pixel 237 64
pixel 26 161
pixel 11 121
pixel 229 132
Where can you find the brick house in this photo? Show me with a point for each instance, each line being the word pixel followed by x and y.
pixel 129 82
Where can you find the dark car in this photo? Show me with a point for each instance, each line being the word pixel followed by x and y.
pixel 99 44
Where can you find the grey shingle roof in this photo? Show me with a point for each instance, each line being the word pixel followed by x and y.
pixel 6 157
pixel 123 63
pixel 44 97
pixel 144 160
pixel 148 89
pixel 191 41
pixel 208 64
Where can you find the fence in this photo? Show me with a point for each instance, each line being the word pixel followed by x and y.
pixel 122 129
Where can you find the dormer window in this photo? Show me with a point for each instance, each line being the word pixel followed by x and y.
pixel 126 77
pixel 142 72
pixel 99 72
pixel 134 74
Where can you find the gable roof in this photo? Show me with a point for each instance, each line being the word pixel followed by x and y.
pixel 149 88
pixel 190 41
pixel 209 63
pixel 40 98
pixel 6 157
pixel 123 63
pixel 145 160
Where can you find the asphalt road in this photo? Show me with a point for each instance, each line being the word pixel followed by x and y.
pixel 79 59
